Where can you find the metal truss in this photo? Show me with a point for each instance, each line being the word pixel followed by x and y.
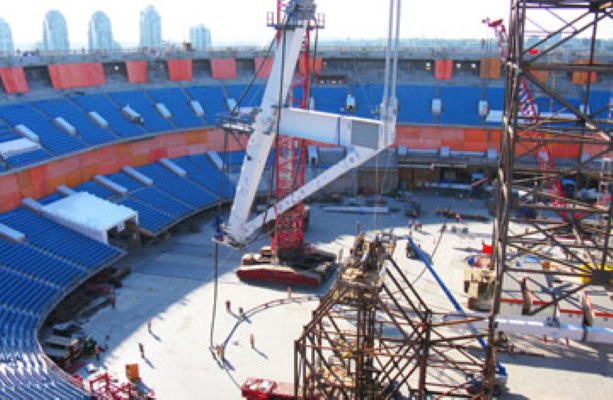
pixel 373 337
pixel 568 235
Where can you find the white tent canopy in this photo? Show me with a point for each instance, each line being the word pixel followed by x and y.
pixel 90 215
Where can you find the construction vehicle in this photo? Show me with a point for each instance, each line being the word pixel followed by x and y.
pixel 289 259
pixel 105 387
pixel 479 284
pixel 266 389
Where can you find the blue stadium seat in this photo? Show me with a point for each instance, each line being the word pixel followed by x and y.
pixel 460 105
pixel 25 294
pixel 330 98
pixel 233 158
pixel 124 180
pixel 164 202
pixel 95 189
pixel 29 158
pixel 142 105
pixel 367 103
pixel 55 140
pixel 415 104
pixel 200 169
pixel 149 218
pixel 156 209
pixel 29 260
pixel 109 111
pixel 178 187
pixel 495 98
pixel 50 199
pixel 20 160
pixel 88 130
pixel 600 107
pixel 6 133
pixel 212 99
pixel 253 97
pixel 178 104
pixel 59 240
pixel 25 375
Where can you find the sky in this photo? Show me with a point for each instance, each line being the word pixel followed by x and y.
pixel 244 21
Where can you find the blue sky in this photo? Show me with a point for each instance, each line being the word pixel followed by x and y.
pixel 244 21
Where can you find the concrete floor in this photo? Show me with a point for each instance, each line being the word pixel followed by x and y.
pixel 172 285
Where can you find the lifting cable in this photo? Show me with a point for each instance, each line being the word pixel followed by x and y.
pixel 440 238
pixel 218 231
pixel 218 219
pixel 248 88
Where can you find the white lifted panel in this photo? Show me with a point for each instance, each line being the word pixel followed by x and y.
pixel 97 118
pixel 27 133
pixel 163 110
pixel 65 126
pixel 331 128
pixel 17 146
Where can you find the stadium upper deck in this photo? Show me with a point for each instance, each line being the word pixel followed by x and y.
pixel 72 108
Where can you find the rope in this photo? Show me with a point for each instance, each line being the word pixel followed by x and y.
pixel 440 238
pixel 216 254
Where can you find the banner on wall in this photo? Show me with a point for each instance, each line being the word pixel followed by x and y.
pixel 14 80
pixel 137 71
pixel 70 76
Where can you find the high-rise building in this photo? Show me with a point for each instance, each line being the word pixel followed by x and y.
pixel 200 37
pixel 6 37
pixel 100 34
pixel 55 33
pixel 150 28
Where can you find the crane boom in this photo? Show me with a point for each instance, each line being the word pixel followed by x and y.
pixel 364 137
pixel 263 135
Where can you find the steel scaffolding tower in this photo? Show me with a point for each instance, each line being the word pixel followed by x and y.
pixel 569 235
pixel 373 337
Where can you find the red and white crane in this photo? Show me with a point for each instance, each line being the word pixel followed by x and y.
pixel 287 238
pixel 528 111
pixel 363 138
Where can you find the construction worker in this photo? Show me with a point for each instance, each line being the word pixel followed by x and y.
pixel 218 228
pixel 409 250
pixel 502 341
